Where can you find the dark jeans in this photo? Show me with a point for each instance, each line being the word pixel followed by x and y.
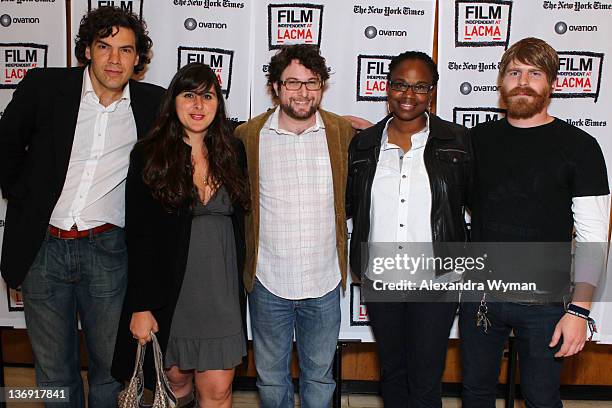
pixel 412 340
pixel 87 276
pixel 481 353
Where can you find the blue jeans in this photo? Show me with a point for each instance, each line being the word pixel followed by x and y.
pixel 481 353
pixel 316 322
pixel 87 276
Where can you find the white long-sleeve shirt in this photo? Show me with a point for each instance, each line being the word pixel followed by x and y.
pixel 94 190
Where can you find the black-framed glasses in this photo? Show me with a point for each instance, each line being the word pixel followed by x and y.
pixel 402 86
pixel 295 85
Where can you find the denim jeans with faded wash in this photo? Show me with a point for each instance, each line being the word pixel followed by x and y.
pixel 69 277
pixel 316 322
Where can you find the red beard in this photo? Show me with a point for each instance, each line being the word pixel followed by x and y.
pixel 523 108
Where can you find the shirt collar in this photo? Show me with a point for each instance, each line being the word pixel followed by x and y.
pixel 273 124
pixel 87 89
pixel 419 139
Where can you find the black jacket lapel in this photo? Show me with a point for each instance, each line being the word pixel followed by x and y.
pixel 66 112
pixel 142 109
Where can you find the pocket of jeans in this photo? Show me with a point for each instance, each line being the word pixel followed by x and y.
pixel 538 325
pixel 109 272
pixel 111 242
pixel 108 277
pixel 35 285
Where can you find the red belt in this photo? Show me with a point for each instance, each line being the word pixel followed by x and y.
pixel 74 233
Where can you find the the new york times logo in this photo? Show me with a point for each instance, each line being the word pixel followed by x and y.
pixel 220 61
pixel 210 3
pixel 372 73
pixel 133 6
pixel 470 117
pixel 482 23
pixel 388 11
pixel 294 24
pixel 17 58
pixel 579 75
pixel 18 2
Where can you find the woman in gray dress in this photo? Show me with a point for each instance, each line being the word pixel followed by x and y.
pixel 185 200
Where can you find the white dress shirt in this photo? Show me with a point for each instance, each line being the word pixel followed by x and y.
pixel 297 256
pixel 401 195
pixel 400 210
pixel 94 190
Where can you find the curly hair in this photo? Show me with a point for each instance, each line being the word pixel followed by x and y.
pixel 99 23
pixel 415 55
pixel 307 54
pixel 168 170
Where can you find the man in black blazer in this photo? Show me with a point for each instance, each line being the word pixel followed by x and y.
pixel 65 140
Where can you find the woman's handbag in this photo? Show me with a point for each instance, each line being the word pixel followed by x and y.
pixel 131 396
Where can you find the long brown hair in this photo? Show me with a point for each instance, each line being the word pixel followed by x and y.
pixel 168 170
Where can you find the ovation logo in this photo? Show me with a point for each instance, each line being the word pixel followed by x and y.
pixel 6 20
pixel 191 24
pixel 561 28
pixel 370 32
pixel 16 59
pixel 470 117
pixel 467 88
pixel 126 5
pixel 219 60
pixel 294 24
pixel 482 23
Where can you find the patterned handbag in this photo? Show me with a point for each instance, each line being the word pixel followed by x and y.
pixel 131 396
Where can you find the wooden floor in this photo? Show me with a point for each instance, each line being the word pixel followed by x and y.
pixel 24 377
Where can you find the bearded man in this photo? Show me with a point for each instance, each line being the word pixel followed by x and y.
pixel 296 234
pixel 537 179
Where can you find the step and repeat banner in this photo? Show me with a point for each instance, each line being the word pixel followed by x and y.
pixel 474 34
pixel 357 40
pixel 32 35
pixel 472 37
pixel 237 39
pixel 216 33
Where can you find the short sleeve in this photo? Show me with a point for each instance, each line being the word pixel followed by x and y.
pixel 590 177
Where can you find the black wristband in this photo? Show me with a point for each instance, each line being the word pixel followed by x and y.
pixel 578 310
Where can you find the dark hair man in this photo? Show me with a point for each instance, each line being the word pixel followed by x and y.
pixel 296 230
pixel 65 141
pixel 536 179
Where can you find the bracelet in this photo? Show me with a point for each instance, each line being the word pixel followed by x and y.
pixel 583 314
pixel 577 310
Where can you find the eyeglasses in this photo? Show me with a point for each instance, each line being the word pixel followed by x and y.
pixel 401 86
pixel 295 85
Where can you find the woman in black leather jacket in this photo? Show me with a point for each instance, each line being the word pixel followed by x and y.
pixel 407 182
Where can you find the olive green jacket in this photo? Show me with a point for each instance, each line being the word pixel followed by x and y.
pixel 339 134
